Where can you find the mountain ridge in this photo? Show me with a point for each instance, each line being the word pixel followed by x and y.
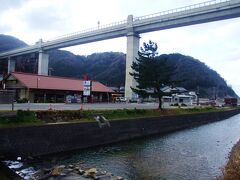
pixel 109 68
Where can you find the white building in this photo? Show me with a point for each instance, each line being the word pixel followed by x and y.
pixel 180 98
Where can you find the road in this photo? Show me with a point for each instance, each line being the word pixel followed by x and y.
pixel 63 106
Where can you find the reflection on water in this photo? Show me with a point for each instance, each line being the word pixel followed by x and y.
pixel 196 153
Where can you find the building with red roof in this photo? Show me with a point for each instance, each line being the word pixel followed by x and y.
pixel 40 88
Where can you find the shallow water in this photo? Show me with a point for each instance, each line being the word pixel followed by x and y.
pixel 196 153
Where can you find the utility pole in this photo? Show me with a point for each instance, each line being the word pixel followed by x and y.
pixel 197 95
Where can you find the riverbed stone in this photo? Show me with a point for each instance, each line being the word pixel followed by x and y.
pixel 118 178
pixel 57 170
pixel 71 166
pixel 103 172
pixel 67 171
pixel 51 178
pixel 90 173
pixel 109 174
pixel 40 174
pixel 104 177
pixel 80 171
pixel 74 177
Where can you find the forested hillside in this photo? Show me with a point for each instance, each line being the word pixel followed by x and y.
pixel 197 75
pixel 9 42
pixel 109 68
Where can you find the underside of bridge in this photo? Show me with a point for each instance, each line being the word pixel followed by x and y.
pixel 42 59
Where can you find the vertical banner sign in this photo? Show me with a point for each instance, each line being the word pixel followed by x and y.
pixel 87 86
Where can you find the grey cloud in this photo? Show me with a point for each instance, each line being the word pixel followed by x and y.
pixel 4 29
pixel 44 19
pixel 9 4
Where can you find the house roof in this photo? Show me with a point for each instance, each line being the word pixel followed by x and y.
pixel 34 81
pixel 168 89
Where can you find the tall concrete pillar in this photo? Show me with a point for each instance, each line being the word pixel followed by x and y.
pixel 11 65
pixel 132 53
pixel 43 59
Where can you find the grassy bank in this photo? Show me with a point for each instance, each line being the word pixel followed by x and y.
pixel 22 118
pixel 232 169
pixel 18 118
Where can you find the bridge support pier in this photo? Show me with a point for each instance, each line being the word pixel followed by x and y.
pixel 132 54
pixel 43 59
pixel 11 65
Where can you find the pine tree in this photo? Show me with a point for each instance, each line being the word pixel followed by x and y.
pixel 152 72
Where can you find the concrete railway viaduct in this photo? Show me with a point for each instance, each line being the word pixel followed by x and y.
pixel 131 28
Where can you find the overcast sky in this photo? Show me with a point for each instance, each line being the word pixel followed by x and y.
pixel 217 44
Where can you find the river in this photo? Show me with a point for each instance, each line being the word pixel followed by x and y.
pixel 195 153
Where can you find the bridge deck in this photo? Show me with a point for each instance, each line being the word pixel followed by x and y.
pixel 193 14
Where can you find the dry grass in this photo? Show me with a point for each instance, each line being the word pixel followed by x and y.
pixel 232 169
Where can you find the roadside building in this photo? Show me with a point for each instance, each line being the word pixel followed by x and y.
pixel 40 88
pixel 230 101
pixel 182 100
pixel 175 96
pixel 118 92
pixel 174 90
pixel 179 96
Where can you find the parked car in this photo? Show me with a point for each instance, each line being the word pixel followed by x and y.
pixel 122 99
pixel 133 100
pixel 117 99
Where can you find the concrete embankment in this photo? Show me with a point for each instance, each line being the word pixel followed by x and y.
pixel 47 139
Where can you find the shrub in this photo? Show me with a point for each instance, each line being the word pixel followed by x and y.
pixel 20 117
pixel 23 100
pixel 60 116
pixel 25 116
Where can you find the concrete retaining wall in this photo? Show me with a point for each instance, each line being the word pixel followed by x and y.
pixel 42 140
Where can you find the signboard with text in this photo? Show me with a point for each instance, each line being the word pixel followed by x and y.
pixel 87 86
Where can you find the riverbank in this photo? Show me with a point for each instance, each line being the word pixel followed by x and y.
pixel 22 118
pixel 232 170
pixel 192 153
pixel 62 137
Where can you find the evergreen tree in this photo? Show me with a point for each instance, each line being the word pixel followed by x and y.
pixel 152 72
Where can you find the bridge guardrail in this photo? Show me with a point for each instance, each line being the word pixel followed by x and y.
pixel 90 30
pixel 181 9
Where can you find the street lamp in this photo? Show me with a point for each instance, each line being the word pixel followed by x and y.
pixel 98 24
